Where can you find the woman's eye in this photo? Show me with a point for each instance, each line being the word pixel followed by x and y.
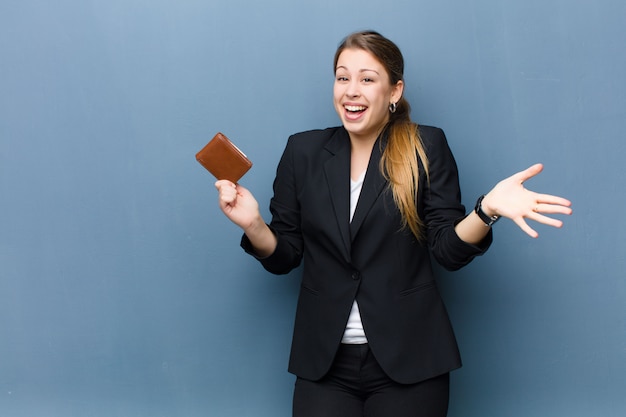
pixel 342 78
pixel 367 80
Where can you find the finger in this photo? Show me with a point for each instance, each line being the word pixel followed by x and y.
pixel 540 218
pixel 241 190
pixel 553 199
pixel 225 187
pixel 528 173
pixel 224 184
pixel 227 194
pixel 552 209
pixel 525 227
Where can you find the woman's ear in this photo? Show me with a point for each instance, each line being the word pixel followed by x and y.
pixel 396 92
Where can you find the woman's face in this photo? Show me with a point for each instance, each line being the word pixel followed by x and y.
pixel 362 93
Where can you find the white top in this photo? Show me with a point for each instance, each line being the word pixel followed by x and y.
pixel 354 333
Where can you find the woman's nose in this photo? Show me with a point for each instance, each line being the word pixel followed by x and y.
pixel 352 90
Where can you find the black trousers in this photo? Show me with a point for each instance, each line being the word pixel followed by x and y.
pixel 356 386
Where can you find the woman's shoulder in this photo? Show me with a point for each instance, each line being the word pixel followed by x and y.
pixel 329 138
pixel 432 137
pixel 316 134
pixel 427 132
pixel 436 147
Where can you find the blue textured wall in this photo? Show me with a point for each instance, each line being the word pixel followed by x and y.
pixel 122 288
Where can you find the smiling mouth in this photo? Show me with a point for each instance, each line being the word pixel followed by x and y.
pixel 355 109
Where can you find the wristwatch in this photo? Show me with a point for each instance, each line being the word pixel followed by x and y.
pixel 488 220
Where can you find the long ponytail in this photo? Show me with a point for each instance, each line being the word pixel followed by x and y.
pixel 400 164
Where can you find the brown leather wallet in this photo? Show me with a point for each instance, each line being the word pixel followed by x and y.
pixel 223 159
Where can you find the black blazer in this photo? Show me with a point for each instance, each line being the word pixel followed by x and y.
pixel 372 258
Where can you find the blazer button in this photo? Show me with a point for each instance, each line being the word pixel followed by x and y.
pixel 356 276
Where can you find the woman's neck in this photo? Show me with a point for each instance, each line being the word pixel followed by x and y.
pixel 360 153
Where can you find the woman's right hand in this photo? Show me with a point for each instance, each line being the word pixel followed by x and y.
pixel 240 206
pixel 237 203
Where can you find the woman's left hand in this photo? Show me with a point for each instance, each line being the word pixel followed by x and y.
pixel 510 199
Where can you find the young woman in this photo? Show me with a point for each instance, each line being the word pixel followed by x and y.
pixel 365 205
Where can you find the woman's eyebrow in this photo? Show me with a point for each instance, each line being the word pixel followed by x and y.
pixel 361 70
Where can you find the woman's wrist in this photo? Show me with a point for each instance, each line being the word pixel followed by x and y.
pixel 486 213
pixel 487 208
pixel 261 237
pixel 255 227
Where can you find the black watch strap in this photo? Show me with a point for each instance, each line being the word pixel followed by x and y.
pixel 488 220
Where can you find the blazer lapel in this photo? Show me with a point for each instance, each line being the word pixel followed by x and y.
pixel 373 185
pixel 337 169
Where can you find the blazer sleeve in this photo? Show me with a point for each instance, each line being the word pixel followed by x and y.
pixel 285 224
pixel 442 208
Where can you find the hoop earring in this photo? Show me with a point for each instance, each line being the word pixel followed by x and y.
pixel 393 107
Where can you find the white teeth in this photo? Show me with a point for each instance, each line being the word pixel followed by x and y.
pixel 355 108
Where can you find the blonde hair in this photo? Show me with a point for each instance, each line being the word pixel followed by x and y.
pixel 404 152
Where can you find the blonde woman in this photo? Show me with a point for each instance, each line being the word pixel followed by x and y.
pixel 364 206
